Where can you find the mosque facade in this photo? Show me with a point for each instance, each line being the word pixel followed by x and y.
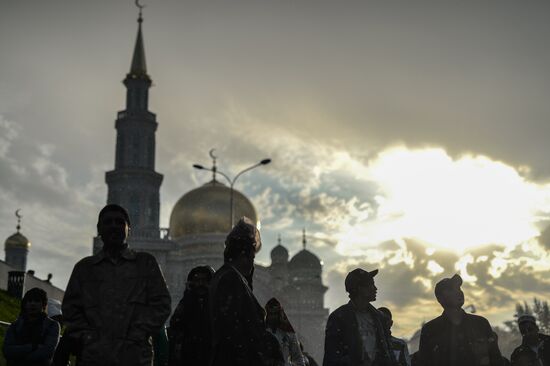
pixel 200 220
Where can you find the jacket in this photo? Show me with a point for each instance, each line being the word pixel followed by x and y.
pixel 527 353
pixel 20 353
pixel 115 307
pixel 343 344
pixel 237 320
pixel 472 343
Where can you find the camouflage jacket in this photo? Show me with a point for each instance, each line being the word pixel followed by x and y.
pixel 115 307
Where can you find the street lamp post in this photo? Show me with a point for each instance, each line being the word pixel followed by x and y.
pixel 231 181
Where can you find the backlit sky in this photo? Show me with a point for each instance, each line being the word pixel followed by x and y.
pixel 406 136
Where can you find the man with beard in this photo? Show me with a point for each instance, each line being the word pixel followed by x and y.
pixel 456 338
pixel 117 299
pixel 189 331
pixel 356 333
pixel 32 338
pixel 279 325
pixel 535 346
pixel 239 337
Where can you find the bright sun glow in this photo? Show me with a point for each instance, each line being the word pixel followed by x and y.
pixel 445 203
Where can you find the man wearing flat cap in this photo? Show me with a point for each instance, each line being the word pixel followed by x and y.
pixel 456 338
pixel 239 336
pixel 535 347
pixel 356 334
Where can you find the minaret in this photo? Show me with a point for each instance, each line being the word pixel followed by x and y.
pixel 134 183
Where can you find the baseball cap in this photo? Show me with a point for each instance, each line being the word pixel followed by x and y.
pixel 358 277
pixel 447 283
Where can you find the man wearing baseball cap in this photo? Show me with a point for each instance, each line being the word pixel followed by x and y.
pixel 535 347
pixel 356 334
pixel 456 338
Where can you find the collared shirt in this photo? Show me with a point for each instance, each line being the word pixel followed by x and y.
pixel 125 253
pixel 367 331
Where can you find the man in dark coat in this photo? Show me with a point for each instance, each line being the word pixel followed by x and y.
pixel 356 334
pixel 31 340
pixel 239 337
pixel 535 346
pixel 117 299
pixel 189 331
pixel 456 338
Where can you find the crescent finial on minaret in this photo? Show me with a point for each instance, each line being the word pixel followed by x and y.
pixel 19 216
pixel 140 19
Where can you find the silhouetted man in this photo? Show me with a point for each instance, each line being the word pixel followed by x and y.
pixel 190 338
pixel 456 338
pixel 32 338
pixel 117 299
pixel 239 337
pixel 535 347
pixel 399 346
pixel 356 334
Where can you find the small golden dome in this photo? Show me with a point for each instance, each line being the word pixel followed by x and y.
pixel 17 240
pixel 206 210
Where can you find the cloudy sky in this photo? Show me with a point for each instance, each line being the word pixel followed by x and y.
pixel 405 136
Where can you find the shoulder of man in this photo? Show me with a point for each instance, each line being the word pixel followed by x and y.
pixel 144 256
pixel 83 264
pixel 478 321
pixel 49 323
pixel 226 277
pixel 518 351
pixel 341 317
pixel 86 261
pixel 342 311
pixel 222 271
pixel 433 325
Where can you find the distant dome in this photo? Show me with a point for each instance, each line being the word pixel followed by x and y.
pixel 279 254
pixel 206 210
pixel 305 260
pixel 17 240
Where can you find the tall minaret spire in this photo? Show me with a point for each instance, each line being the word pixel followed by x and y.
pixel 139 66
pixel 134 183
pixel 304 241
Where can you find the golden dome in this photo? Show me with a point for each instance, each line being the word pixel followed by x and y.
pixel 206 210
pixel 17 240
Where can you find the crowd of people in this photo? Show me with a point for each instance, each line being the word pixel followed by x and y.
pixel 116 306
